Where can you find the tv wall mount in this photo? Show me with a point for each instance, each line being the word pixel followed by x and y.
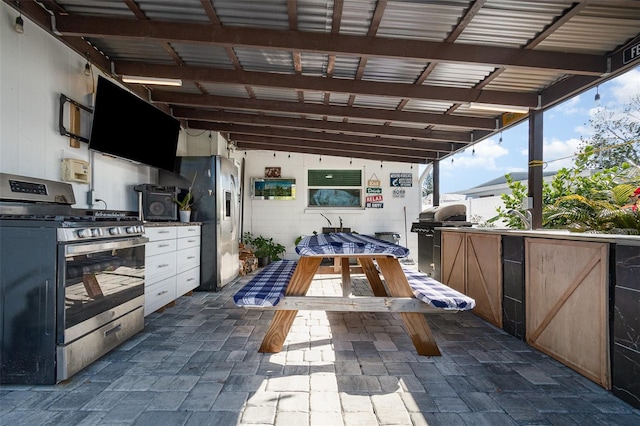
pixel 74 120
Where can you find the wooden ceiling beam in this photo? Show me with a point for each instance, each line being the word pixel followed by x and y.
pixel 174 98
pixel 194 115
pixel 374 142
pixel 323 84
pixel 336 44
pixel 310 147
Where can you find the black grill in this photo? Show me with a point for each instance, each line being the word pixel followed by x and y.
pixel 448 215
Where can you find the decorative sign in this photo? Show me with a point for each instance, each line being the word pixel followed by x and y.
pixel 373 198
pixel 401 179
pixel 272 172
pixel 374 190
pixel 631 53
pixel 373 181
pixel 398 193
pixel 273 189
pixel 374 205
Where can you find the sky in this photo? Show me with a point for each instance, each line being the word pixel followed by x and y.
pixel 564 125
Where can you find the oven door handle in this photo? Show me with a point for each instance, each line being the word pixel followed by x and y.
pixel 98 246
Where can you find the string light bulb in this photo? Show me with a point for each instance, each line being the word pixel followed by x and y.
pixel 500 140
pixel 87 69
pixel 597 96
pixel 19 25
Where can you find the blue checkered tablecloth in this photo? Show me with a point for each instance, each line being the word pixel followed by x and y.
pixel 435 293
pixel 267 288
pixel 347 243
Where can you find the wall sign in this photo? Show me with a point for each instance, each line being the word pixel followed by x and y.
pixel 398 193
pixel 272 172
pixel 631 53
pixel 373 181
pixel 374 205
pixel 374 190
pixel 401 179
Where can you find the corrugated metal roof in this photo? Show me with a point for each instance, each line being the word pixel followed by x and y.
pixel 420 20
pixel 353 66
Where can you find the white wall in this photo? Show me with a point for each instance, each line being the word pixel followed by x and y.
pixel 35 69
pixel 285 220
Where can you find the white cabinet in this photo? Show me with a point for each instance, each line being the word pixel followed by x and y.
pixel 188 259
pixel 172 264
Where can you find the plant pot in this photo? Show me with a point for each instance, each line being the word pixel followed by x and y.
pixel 264 261
pixel 185 215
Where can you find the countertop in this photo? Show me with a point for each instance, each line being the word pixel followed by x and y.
pixel 561 234
pixel 159 224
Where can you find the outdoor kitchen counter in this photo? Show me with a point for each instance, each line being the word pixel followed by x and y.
pixel 633 240
pixel 573 296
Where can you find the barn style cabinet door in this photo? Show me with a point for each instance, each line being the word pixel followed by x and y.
pixel 471 264
pixel 453 255
pixel 484 275
pixel 567 304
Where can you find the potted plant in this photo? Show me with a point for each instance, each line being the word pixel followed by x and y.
pixel 265 249
pixel 184 205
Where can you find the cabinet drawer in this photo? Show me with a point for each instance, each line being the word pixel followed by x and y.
pixel 188 258
pixel 187 281
pixel 188 231
pixel 158 247
pixel 160 267
pixel 187 242
pixel 160 233
pixel 159 294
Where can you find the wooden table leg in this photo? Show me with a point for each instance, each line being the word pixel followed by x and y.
pixel 373 277
pixel 346 277
pixel 415 322
pixel 337 265
pixel 282 320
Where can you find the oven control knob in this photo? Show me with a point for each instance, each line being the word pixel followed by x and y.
pixel 96 232
pixel 131 229
pixel 84 233
pixel 115 231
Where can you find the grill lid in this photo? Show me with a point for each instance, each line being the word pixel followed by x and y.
pixel 444 213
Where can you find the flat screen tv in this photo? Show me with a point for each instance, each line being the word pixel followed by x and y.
pixel 126 126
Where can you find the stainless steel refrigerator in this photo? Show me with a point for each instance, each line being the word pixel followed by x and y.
pixel 217 196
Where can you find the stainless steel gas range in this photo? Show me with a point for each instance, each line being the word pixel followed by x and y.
pixel 71 281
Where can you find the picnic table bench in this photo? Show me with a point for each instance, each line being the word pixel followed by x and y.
pixel 283 285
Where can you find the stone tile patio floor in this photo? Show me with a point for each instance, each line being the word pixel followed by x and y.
pixel 197 363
